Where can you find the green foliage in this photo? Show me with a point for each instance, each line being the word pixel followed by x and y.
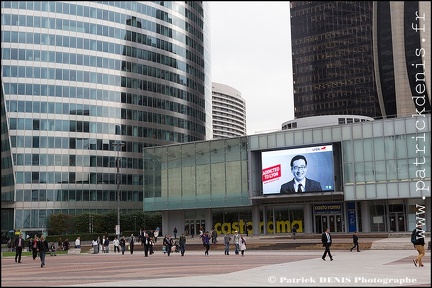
pixel 88 225
pixel 61 223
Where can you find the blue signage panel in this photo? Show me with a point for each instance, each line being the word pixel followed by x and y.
pixel 352 220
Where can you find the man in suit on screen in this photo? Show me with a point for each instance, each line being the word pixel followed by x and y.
pixel 299 183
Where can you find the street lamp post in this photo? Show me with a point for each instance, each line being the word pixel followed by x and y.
pixel 91 223
pixel 42 224
pixel 118 146
pixel 135 222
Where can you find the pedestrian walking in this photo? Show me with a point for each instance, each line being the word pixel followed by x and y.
pixel 146 241
pixel 206 242
pixel 168 244
pixel 227 241
pixel 18 244
pixel 131 243
pixel 417 238
pixel 35 247
pixel 236 242
pixel 355 242
pixel 43 249
pixel 123 244
pixel 326 241
pixel 247 230
pixel 294 232
pixel 242 245
pixel 182 244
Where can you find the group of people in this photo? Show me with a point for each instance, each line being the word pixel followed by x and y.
pixel 417 239
pixel 326 240
pixel 239 243
pixel 63 244
pixel 154 234
pixel 39 247
pixel 102 246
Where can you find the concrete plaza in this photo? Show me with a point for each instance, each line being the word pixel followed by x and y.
pixel 380 267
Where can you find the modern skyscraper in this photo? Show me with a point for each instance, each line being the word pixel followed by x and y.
pixel 7 177
pixel 360 57
pixel 229 112
pixel 80 77
pixel 401 38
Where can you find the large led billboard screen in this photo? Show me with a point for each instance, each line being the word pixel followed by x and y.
pixel 298 170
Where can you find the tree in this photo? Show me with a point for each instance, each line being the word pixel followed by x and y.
pixel 61 224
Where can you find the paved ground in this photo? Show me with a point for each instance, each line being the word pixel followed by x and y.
pixel 372 268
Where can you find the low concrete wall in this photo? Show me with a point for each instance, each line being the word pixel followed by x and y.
pixel 74 251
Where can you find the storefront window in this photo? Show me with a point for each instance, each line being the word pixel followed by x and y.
pixel 378 216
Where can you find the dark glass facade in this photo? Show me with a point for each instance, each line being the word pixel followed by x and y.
pixel 333 58
pixel 360 57
pixel 385 58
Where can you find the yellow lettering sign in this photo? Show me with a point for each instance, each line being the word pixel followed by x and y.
pixel 282 226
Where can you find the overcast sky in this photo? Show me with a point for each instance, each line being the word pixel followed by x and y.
pixel 251 52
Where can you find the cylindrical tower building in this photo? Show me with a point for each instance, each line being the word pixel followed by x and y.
pixel 80 77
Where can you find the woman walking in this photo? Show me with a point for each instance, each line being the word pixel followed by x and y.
pixel 242 245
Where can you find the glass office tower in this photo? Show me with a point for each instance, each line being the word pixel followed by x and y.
pixel 80 78
pixel 361 58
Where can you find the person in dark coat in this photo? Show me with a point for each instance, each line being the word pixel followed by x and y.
pixel 175 232
pixel 122 243
pixel 18 244
pixel 206 242
pixel 182 244
pixel 326 240
pixel 299 183
pixel 147 243
pixel 419 243
pixel 355 242
pixel 294 232
pixel 35 247
pixel 43 249
pixel 131 243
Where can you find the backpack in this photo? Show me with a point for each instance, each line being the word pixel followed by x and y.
pixel 414 237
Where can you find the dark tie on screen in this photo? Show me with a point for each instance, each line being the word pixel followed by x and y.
pixel 299 189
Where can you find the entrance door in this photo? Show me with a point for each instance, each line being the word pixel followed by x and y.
pixel 192 227
pixel 333 222
pixel 319 224
pixel 199 225
pixel 397 222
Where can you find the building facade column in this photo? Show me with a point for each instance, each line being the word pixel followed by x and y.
pixel 365 217
pixel 307 222
pixel 255 220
